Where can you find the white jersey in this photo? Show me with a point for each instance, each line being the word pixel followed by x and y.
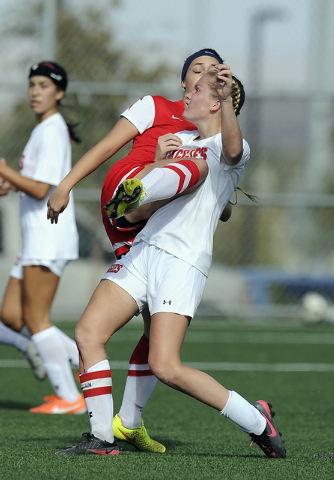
pixel 47 158
pixel 185 227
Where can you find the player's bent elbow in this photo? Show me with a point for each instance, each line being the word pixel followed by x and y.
pixel 234 158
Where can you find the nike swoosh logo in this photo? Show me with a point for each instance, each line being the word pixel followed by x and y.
pixel 107 452
pixel 66 410
pixel 112 452
pixel 129 438
pixel 273 431
pixel 177 118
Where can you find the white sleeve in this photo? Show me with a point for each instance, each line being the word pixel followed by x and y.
pixel 51 156
pixel 141 114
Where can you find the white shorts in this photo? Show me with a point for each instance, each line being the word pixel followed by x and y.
pixel 56 266
pixel 156 278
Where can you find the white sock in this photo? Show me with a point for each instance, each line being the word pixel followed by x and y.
pixel 170 180
pixel 244 414
pixel 96 385
pixel 53 354
pixel 139 385
pixel 71 348
pixel 10 337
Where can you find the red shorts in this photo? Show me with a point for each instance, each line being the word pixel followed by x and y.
pixel 121 238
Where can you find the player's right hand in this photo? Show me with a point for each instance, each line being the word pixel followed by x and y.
pixel 166 143
pixel 56 204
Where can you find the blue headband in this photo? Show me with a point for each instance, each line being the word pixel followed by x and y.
pixel 200 53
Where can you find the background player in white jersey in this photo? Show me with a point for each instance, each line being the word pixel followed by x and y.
pixel 167 269
pixel 45 251
pixel 143 122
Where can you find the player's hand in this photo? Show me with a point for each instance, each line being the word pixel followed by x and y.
pixel 5 186
pixel 224 82
pixel 56 204
pixel 2 180
pixel 167 144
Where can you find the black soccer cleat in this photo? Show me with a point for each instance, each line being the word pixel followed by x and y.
pixel 270 440
pixel 91 446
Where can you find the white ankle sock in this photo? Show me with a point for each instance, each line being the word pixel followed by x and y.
pixel 244 414
pixel 54 357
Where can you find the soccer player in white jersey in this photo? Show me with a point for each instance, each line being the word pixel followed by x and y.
pixel 143 122
pixel 166 269
pixel 34 279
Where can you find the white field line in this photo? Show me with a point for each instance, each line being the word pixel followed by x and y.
pixel 243 338
pixel 216 366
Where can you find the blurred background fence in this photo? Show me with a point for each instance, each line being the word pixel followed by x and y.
pixel 270 253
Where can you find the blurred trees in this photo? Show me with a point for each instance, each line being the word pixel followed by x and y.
pixel 86 48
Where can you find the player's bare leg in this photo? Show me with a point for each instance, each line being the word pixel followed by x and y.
pixel 108 310
pixel 11 315
pixel 166 337
pixel 11 311
pixel 39 288
pixel 128 424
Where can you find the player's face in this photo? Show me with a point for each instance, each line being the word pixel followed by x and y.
pixel 198 102
pixel 198 67
pixel 43 96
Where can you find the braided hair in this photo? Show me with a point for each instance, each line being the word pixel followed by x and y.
pixel 237 94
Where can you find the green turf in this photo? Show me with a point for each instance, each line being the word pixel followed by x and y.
pixel 200 444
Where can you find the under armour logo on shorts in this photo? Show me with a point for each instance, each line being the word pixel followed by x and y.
pixel 167 301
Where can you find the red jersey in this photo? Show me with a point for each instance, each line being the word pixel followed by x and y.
pixel 153 116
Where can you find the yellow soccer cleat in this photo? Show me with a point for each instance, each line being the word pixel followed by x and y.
pixel 137 437
pixel 126 199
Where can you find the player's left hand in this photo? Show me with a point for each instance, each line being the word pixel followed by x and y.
pixel 167 144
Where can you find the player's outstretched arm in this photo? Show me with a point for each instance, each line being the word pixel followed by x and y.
pixel 120 135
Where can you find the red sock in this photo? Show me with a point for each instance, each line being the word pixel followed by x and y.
pixel 139 385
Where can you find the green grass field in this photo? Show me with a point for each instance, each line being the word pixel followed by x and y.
pixel 290 365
